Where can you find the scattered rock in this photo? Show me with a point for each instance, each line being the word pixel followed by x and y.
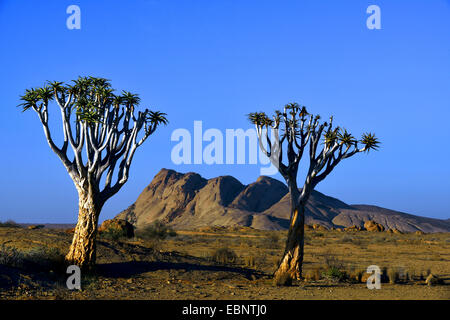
pixel 36 226
pixel 70 231
pixel 373 226
pixel 319 227
pixel 353 228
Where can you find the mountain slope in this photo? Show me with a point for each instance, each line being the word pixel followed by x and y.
pixel 188 201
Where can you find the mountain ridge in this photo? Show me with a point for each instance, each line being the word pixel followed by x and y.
pixel 189 201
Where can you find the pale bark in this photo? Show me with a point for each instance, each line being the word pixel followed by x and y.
pixel 298 133
pixel 82 251
pixel 111 140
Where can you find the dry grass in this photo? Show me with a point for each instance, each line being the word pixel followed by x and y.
pixel 334 260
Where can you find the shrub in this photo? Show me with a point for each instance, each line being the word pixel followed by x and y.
pixel 156 231
pixel 224 255
pixel 334 274
pixel 249 261
pixel 10 256
pixel 35 259
pixel 332 262
pixel 9 224
pixel 113 234
pixel 314 274
pixel 393 276
pixel 272 240
pixel 45 259
pixel 346 239
pixel 283 279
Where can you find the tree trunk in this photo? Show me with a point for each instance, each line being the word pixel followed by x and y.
pixel 82 251
pixel 292 260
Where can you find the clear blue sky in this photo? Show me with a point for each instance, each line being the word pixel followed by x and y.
pixel 216 61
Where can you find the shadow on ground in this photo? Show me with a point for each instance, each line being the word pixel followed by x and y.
pixel 133 268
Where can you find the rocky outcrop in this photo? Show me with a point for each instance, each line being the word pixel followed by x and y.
pixel 373 226
pixel 189 201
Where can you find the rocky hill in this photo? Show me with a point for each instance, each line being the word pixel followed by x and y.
pixel 188 201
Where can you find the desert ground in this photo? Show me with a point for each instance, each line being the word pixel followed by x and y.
pixel 226 263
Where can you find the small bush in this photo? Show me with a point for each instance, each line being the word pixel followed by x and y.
pixel 283 279
pixel 157 230
pixel 334 274
pixel 224 255
pixel 113 234
pixel 346 239
pixel 332 262
pixel 272 240
pixel 9 224
pixel 35 259
pixel 315 274
pixel 10 256
pixel 45 259
pixel 249 261
pixel 393 276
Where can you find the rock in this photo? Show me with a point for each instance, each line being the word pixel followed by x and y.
pixel 418 232
pixel 36 227
pixel 353 228
pixel 117 224
pixel 70 231
pixel 319 227
pixel 373 226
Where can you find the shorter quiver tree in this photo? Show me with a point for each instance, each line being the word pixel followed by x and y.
pixel 103 131
pixel 298 129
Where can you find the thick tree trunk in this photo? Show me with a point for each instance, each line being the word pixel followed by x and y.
pixel 292 260
pixel 82 252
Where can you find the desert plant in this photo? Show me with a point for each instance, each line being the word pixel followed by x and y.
pixel 44 259
pixel 272 240
pixel 156 231
pixel 393 275
pixel 249 261
pixel 334 274
pixel 114 234
pixel 104 127
pixel 224 255
pixel 40 258
pixel 282 279
pixel 298 129
pixel 10 224
pixel 10 256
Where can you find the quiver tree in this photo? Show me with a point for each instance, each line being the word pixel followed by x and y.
pixel 103 131
pixel 298 130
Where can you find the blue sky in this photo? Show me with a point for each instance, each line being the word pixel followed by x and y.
pixel 216 61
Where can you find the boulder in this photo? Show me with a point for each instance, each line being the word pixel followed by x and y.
pixel 372 226
pixel 36 227
pixel 319 227
pixel 70 231
pixel 124 226
pixel 353 228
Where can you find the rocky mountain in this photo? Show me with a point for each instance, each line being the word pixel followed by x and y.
pixel 188 201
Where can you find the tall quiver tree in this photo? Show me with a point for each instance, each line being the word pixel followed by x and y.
pixel 103 131
pixel 298 129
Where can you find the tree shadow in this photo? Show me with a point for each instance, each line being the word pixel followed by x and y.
pixel 133 268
